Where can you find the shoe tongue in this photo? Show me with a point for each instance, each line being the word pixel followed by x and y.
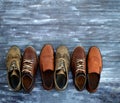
pixel 14 74
pixel 60 72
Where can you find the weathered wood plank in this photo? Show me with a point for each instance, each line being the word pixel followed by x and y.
pixel 62 22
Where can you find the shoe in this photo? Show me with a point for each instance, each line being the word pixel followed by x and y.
pixel 94 63
pixel 29 68
pixel 78 64
pixel 62 62
pixel 13 63
pixel 47 66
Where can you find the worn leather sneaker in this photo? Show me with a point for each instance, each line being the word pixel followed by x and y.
pixel 13 63
pixel 94 63
pixel 29 68
pixel 78 64
pixel 47 66
pixel 62 62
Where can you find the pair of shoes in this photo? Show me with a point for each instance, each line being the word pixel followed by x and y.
pixel 21 71
pixel 59 75
pixel 89 77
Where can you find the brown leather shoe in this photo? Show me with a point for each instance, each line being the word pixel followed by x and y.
pixel 78 64
pixel 13 63
pixel 29 68
pixel 47 66
pixel 61 68
pixel 94 63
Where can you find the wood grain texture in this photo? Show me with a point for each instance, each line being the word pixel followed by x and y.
pixel 62 22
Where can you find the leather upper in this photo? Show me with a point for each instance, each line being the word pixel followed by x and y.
pixel 30 56
pixel 78 56
pixel 94 60
pixel 47 58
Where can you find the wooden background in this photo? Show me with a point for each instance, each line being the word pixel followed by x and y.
pixel 62 22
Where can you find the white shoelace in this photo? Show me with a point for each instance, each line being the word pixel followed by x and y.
pixel 80 65
pixel 27 65
pixel 13 66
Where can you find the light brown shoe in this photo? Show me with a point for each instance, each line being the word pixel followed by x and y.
pixel 47 66
pixel 13 63
pixel 94 63
pixel 29 68
pixel 62 62
pixel 78 64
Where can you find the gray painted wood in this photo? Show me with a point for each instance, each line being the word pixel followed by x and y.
pixel 62 22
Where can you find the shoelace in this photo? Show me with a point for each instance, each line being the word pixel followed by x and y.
pixel 80 64
pixel 61 65
pixel 13 66
pixel 27 65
